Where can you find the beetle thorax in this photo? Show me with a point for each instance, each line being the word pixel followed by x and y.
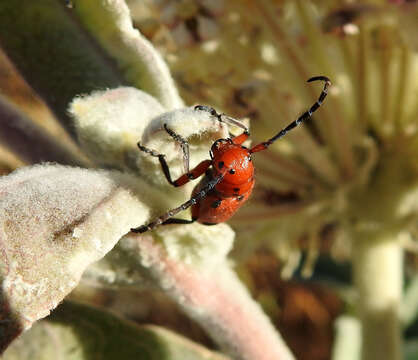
pixel 234 161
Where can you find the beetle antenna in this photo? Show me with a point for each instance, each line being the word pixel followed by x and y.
pixel 193 200
pixel 306 115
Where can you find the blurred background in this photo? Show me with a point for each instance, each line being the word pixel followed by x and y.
pixel 318 189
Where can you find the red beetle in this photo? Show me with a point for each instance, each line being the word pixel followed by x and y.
pixel 229 174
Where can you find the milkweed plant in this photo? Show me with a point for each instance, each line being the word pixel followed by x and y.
pixel 66 215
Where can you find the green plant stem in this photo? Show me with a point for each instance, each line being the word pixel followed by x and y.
pixel 404 76
pixel 409 309
pixel 362 76
pixel 377 266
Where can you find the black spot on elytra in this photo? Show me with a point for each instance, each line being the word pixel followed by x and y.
pixel 216 203
pixel 240 197
pixel 221 164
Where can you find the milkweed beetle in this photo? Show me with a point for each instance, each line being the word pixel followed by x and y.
pixel 229 174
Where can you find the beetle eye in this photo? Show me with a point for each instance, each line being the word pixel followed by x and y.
pixel 232 171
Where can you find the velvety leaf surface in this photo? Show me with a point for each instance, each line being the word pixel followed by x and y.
pixel 53 52
pixel 29 141
pixel 110 23
pixel 54 222
pixel 52 48
pixel 109 123
pixel 207 290
pixel 79 332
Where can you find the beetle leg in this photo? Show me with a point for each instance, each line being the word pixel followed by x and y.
pixel 169 214
pixel 178 221
pixel 184 146
pixel 193 174
pixel 241 138
pixel 185 178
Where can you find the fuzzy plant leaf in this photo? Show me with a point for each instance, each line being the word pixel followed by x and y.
pixel 55 221
pixel 199 128
pixel 110 123
pixel 30 142
pixel 79 332
pixel 63 52
pixel 110 23
pixel 209 292
pixel 53 53
pixel 202 247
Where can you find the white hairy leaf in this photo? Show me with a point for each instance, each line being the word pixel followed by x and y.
pixel 54 222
